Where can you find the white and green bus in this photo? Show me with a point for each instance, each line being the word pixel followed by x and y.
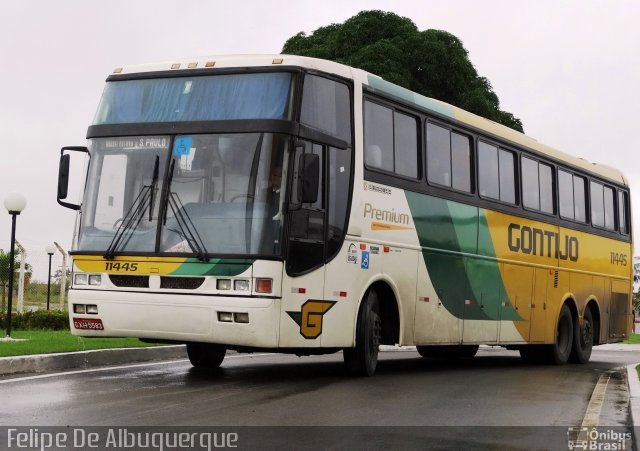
pixel 298 205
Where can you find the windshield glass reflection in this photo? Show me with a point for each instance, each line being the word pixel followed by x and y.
pixel 220 194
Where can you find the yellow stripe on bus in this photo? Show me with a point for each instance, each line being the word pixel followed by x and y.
pixel 129 265
pixel 383 226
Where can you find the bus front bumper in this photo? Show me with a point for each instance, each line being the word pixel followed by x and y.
pixel 233 321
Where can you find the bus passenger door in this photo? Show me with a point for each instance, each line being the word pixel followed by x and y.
pixel 303 305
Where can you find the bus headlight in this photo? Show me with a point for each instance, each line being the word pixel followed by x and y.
pixel 80 279
pixel 223 284
pixel 95 279
pixel 241 285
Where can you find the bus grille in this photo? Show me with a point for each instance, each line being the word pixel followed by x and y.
pixel 181 283
pixel 175 283
pixel 129 281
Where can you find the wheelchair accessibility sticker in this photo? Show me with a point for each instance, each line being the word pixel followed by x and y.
pixel 364 261
pixel 182 146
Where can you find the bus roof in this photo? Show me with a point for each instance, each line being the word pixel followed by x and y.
pixel 379 84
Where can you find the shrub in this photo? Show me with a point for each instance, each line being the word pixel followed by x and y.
pixel 40 319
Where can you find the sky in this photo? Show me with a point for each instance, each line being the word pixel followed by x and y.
pixel 569 70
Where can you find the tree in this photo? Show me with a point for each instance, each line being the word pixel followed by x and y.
pixel 433 63
pixel 5 261
pixel 57 279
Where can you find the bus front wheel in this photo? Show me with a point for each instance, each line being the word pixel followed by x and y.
pixel 206 356
pixel 363 359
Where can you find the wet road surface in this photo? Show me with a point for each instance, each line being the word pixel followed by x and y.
pixel 495 389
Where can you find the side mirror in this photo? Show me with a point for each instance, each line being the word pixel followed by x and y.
pixel 64 173
pixel 309 165
pixel 63 176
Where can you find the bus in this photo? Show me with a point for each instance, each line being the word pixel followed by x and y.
pixel 297 205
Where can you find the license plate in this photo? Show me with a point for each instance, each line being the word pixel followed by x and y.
pixel 88 324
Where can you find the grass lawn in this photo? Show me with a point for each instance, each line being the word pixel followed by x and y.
pixel 634 339
pixel 48 341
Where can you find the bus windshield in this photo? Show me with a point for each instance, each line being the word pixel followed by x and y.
pixel 201 98
pixel 215 194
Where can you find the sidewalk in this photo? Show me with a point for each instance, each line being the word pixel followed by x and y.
pixel 88 359
pixel 618 347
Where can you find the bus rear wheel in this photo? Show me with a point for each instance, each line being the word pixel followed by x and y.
pixel 582 338
pixel 363 359
pixel 206 356
pixel 559 352
pixel 448 352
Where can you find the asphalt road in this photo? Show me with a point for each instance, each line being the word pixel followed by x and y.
pixel 473 403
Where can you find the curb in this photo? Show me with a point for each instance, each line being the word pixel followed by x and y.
pixel 634 396
pixel 87 359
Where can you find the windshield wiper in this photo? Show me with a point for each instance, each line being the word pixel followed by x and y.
pixel 133 216
pixel 188 229
pixel 154 184
pixel 135 213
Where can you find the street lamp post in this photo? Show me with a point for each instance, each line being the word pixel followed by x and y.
pixel 49 249
pixel 14 203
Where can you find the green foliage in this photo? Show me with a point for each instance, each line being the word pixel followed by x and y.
pixel 48 341
pixel 41 319
pixel 634 339
pixel 433 63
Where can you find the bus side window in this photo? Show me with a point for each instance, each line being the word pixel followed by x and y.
pixel 378 136
pixel 565 189
pixel 580 198
pixel 326 106
pixel 609 209
pixel 438 155
pixel 623 212
pixel 488 171
pixel 597 204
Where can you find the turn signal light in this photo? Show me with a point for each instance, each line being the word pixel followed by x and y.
pixel 264 285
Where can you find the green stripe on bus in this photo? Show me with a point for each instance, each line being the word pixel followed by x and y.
pixel 450 235
pixel 214 267
pixel 412 97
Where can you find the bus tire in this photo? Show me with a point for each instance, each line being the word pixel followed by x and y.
pixel 582 338
pixel 559 352
pixel 206 356
pixel 363 359
pixel 448 352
